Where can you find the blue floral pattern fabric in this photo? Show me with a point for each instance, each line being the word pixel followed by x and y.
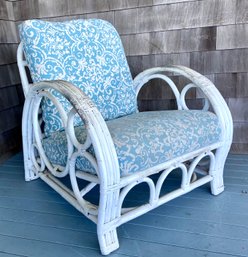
pixel 146 139
pixel 87 53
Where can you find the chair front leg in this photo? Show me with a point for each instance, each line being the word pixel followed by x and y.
pixel 108 216
pixel 217 184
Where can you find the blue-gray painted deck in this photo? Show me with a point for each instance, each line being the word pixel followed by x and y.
pixel 35 221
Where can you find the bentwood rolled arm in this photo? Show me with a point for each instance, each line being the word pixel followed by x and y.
pixel 94 123
pixel 199 81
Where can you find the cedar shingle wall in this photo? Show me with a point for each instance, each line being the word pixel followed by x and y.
pixel 210 36
pixel 11 97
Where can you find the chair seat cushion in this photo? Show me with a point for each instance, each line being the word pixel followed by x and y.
pixel 145 139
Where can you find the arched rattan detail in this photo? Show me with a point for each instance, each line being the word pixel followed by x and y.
pixel 89 208
pixel 56 170
pixel 165 174
pixel 71 132
pixel 81 148
pixel 183 98
pixel 168 81
pixel 196 161
pixel 128 188
pixel 36 159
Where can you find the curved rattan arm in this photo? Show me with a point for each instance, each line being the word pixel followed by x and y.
pixel 96 127
pixel 208 88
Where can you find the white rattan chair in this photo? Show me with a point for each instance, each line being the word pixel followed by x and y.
pixel 80 119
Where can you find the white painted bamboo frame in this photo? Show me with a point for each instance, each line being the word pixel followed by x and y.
pixel 113 188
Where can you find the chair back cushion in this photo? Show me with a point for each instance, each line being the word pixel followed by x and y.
pixel 87 53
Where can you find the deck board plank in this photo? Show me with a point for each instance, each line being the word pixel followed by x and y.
pixel 35 248
pixel 2 254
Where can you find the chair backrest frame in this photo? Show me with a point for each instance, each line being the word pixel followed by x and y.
pixel 22 64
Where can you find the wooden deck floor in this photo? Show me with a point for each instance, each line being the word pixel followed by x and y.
pixel 35 221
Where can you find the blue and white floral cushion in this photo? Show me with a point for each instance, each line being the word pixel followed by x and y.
pixel 146 139
pixel 87 53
